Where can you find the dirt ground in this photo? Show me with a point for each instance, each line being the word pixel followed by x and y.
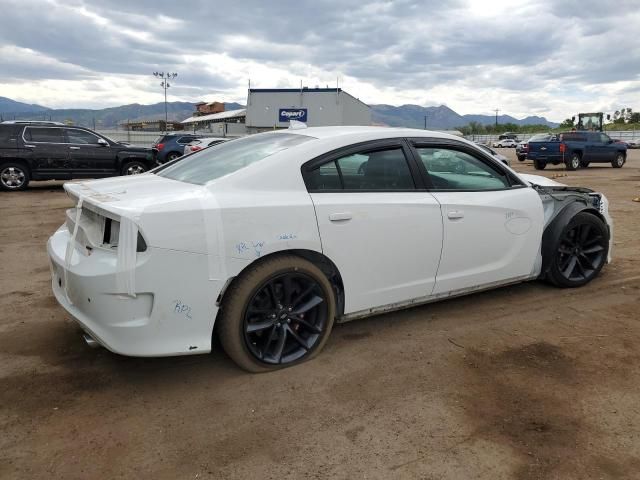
pixel 526 382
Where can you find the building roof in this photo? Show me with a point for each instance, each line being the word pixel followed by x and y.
pixel 294 90
pixel 242 112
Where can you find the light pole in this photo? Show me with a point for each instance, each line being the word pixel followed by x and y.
pixel 165 76
pixel 497 110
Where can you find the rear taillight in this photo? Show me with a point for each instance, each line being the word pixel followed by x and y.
pixel 563 147
pixel 160 146
pixel 195 148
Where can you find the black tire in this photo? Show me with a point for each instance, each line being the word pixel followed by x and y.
pixel 538 165
pixel 573 163
pixel 521 158
pixel 133 168
pixel 261 289
pixel 580 253
pixel 619 161
pixel 14 176
pixel 172 156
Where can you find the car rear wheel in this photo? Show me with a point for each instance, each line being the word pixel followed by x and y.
pixel 618 162
pixel 277 314
pixel 538 165
pixel 574 162
pixel 581 251
pixel 172 156
pixel 133 168
pixel 13 176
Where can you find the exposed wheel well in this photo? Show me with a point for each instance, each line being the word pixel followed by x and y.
pixel 17 160
pixel 323 262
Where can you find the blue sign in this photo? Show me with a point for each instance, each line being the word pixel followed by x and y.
pixel 286 114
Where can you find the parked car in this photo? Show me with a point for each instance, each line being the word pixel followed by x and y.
pixel 53 151
pixel 267 240
pixel 521 150
pixel 491 151
pixel 576 150
pixel 523 147
pixel 505 143
pixel 201 143
pixel 633 144
pixel 170 146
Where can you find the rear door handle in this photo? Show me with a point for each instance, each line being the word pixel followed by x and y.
pixel 455 214
pixel 74 148
pixel 29 146
pixel 340 217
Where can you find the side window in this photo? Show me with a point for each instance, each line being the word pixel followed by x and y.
pixel 454 170
pixel 604 138
pixel 370 170
pixel 47 135
pixel 324 177
pixel 81 136
pixel 185 140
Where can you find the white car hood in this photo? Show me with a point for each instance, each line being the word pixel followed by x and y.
pixel 540 180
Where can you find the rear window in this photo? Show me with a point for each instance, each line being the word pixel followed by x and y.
pixel 574 137
pixel 9 134
pixel 542 137
pixel 228 157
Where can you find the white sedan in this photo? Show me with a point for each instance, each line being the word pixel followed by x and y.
pixel 267 240
pixel 201 143
pixel 505 143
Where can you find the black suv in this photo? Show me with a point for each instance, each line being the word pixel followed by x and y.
pixel 53 151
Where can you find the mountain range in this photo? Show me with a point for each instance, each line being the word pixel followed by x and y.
pixel 441 117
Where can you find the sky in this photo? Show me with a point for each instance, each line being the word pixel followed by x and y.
pixel 542 57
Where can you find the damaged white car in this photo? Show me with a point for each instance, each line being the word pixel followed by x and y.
pixel 266 241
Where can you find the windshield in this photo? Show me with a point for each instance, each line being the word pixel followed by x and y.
pixel 228 157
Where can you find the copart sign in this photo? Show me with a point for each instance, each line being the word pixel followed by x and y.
pixel 287 114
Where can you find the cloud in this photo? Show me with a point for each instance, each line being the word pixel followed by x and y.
pixel 538 56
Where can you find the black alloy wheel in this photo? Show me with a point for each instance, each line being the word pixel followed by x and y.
pixel 172 156
pixel 277 313
pixel 285 318
pixel 582 251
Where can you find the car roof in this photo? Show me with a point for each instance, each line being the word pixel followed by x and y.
pixel 365 131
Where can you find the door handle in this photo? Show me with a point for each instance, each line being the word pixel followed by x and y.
pixel 74 148
pixel 340 217
pixel 455 214
pixel 29 146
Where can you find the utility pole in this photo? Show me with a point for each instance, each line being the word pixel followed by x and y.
pixel 497 110
pixel 425 122
pixel 165 76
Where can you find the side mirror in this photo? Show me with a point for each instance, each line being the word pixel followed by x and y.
pixel 610 141
pixel 103 142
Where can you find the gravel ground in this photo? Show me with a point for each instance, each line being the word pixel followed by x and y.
pixel 528 382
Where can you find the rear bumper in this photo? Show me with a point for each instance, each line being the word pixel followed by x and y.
pixel 172 312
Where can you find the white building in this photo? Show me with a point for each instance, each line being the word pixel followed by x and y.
pixel 269 108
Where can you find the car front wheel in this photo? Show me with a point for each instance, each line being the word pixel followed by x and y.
pixel 277 314
pixel 573 163
pixel 618 162
pixel 133 168
pixel 581 251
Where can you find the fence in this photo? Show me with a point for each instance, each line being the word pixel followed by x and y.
pixel 145 138
pixel 488 139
